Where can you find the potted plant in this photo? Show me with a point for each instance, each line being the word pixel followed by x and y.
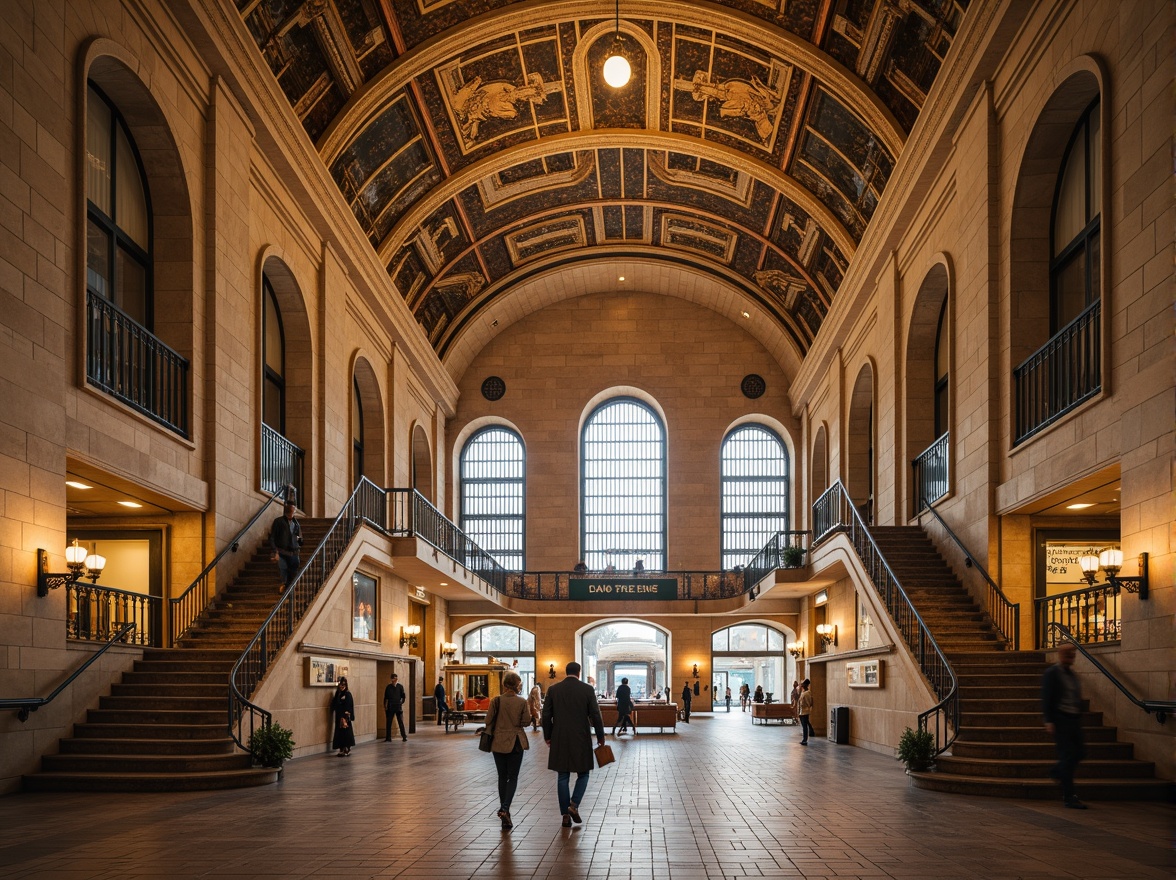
pixel 916 749
pixel 272 745
pixel 793 556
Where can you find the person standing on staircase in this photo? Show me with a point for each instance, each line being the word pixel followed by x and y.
pixel 285 542
pixel 1061 704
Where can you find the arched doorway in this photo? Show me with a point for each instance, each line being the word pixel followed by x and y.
pixel 504 642
pixel 752 654
pixel 631 649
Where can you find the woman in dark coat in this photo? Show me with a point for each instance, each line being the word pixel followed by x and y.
pixel 343 707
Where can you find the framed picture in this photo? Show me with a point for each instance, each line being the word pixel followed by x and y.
pixel 864 674
pixel 326 671
pixel 363 604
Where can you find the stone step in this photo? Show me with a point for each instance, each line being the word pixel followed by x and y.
pixel 1044 789
pixel 163 717
pixel 177 679
pixel 970 692
pixel 188 655
pixel 1033 734
pixel 1017 719
pixel 1040 751
pixel 167 702
pixel 141 690
pixel 129 730
pixel 1018 768
pixel 125 764
pixel 151 782
pixel 94 745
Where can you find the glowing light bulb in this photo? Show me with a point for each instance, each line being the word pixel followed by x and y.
pixel 617 71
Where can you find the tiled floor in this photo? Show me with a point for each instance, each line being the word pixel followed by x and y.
pixel 719 799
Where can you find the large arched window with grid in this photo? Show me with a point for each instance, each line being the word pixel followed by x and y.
pixel 755 491
pixel 493 494
pixel 623 488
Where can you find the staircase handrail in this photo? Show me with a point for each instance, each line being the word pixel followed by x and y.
pixel 367 504
pixel 771 555
pixel 1160 707
pixel 944 716
pixel 25 705
pixel 1003 614
pixel 184 606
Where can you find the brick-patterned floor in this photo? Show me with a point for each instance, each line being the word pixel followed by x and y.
pixel 719 799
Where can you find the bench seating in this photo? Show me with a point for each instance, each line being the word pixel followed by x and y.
pixel 659 715
pixel 767 713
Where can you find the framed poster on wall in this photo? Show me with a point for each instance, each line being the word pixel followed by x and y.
pixel 864 673
pixel 326 671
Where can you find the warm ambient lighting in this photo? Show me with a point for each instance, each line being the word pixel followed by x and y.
pixel 76 560
pixel 1110 561
pixel 130 504
pixel 1082 505
pixel 695 670
pixel 746 314
pixel 796 649
pixel 616 67
pixel 448 650
pixel 74 484
pixel 408 635
pixel 828 633
pixel 551 670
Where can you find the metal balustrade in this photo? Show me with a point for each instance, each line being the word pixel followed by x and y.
pixel 834 512
pixel 931 471
pixel 97 614
pixel 1090 616
pixel 282 463
pixel 130 363
pixel 779 552
pixel 1058 376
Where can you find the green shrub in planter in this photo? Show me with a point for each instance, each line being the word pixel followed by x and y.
pixel 793 556
pixel 916 749
pixel 272 745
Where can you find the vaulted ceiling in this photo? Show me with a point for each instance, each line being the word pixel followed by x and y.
pixel 477 143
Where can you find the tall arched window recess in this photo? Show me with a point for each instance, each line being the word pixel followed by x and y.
pixel 754 476
pixel 282 461
pixel 623 487
pixel 493 494
pixel 356 433
pixel 1074 233
pixel 942 370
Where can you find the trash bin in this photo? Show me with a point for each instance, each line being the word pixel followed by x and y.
pixel 428 707
pixel 839 725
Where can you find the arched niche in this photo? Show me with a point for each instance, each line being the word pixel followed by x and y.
pixel 859 443
pixel 928 354
pixel 422 463
pixel 367 424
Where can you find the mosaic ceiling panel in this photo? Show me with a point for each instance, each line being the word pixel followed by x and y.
pixel 476 140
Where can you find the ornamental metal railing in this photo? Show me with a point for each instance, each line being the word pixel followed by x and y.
pixel 1005 616
pixel 834 513
pixel 282 463
pixel 130 363
pixel 786 549
pixel 367 504
pixel 96 614
pixel 1058 376
pixel 931 471
pixel 190 604
pixel 411 514
pixel 1090 616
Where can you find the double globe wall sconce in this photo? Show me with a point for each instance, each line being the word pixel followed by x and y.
pixel 80 564
pixel 1110 561
pixel 828 633
pixel 796 649
pixel 448 651
pixel 408 635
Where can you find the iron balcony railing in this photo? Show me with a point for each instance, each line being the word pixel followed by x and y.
pixel 412 514
pixel 282 463
pixel 190 604
pixel 366 504
pixel 834 512
pixel 96 614
pixel 1058 633
pixel 1004 615
pixel 25 705
pixel 1089 616
pixel 931 471
pixel 1060 375
pixel 130 363
pixel 787 549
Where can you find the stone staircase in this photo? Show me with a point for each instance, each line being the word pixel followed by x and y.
pixel 1002 748
pixel 164 727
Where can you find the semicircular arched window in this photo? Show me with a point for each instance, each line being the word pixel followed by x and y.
pixel 493 494
pixel 623 487
pixel 754 467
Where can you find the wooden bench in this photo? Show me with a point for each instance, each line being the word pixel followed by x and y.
pixel 781 713
pixel 659 715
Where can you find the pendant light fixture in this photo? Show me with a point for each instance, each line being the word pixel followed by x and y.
pixel 616 66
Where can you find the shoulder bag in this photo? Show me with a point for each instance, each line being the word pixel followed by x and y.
pixel 486 735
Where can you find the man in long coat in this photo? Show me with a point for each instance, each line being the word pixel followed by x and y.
pixel 568 711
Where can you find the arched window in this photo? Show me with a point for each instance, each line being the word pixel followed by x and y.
pixel 942 368
pixel 493 494
pixel 356 433
pixel 273 394
pixel 628 649
pixel 504 643
pixel 623 509
pixel 751 654
pixel 118 216
pixel 754 467
pixel 1074 233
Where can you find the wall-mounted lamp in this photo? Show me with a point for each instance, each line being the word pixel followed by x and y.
pixel 80 565
pixel 448 650
pixel 694 671
pixel 551 670
pixel 796 649
pixel 408 635
pixel 616 67
pixel 828 633
pixel 1110 561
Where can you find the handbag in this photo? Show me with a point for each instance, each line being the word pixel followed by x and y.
pixel 486 735
pixel 604 755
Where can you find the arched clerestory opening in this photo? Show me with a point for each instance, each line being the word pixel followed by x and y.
pixel 367 425
pixel 928 390
pixel 422 463
pixel 859 444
